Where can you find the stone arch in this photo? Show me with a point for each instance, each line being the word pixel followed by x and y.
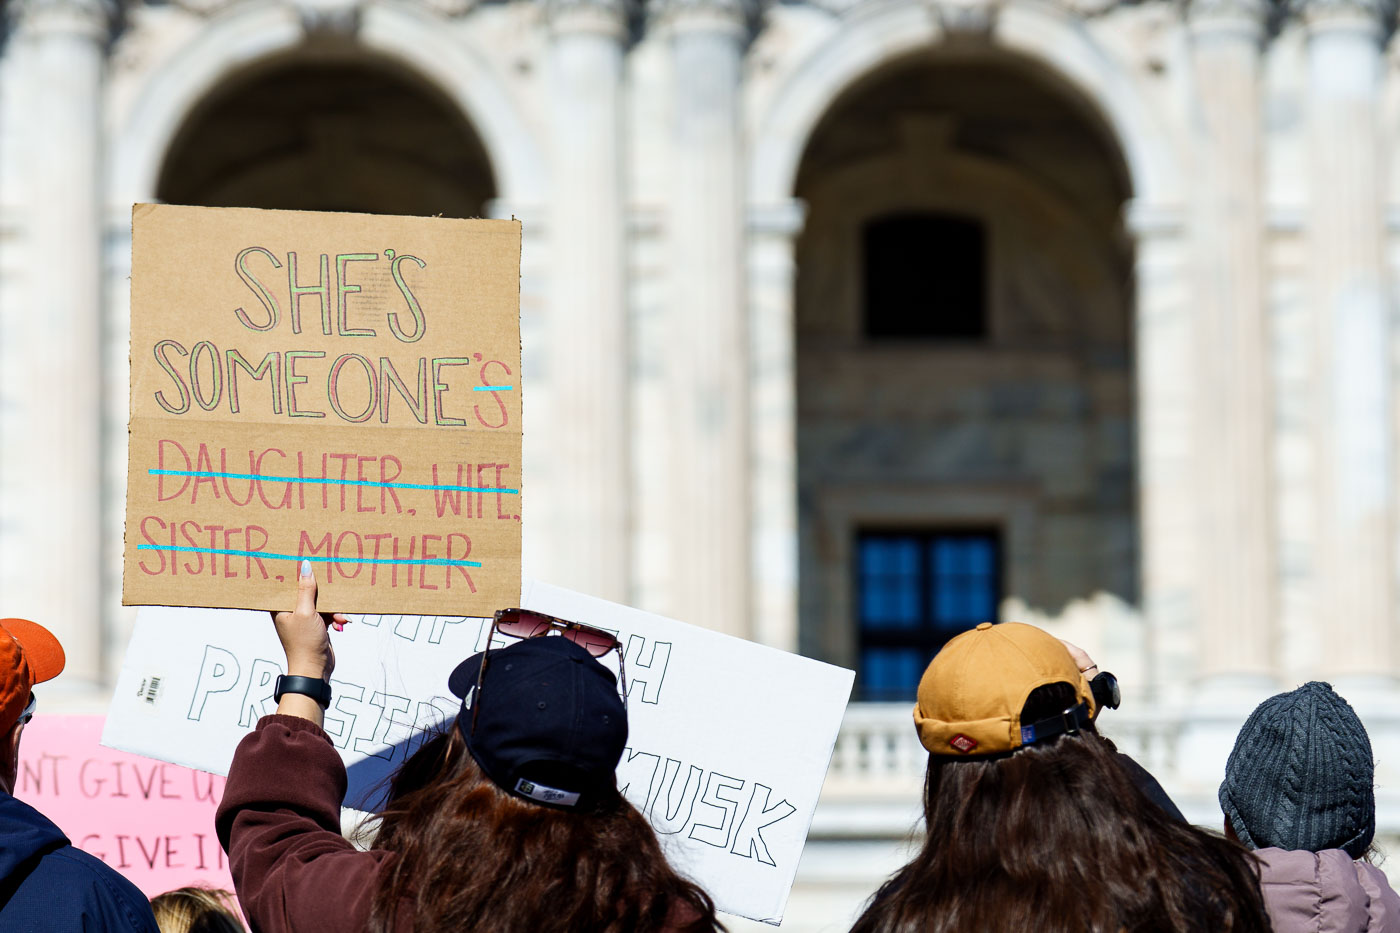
pixel 344 132
pixel 869 39
pixel 249 34
pixel 1013 156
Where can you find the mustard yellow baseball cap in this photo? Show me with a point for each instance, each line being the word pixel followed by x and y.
pixel 972 692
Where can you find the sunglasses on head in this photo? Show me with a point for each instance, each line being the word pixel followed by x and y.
pixel 526 623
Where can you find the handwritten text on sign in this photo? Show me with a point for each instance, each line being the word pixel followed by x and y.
pixel 151 820
pixel 339 388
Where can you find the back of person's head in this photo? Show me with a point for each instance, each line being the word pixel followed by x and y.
pixel 971 696
pixel 1301 775
pixel 1031 823
pixel 547 722
pixel 196 909
pixel 512 821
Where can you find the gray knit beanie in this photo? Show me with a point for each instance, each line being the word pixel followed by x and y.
pixel 1301 775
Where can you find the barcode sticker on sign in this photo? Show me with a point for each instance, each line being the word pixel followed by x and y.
pixel 149 690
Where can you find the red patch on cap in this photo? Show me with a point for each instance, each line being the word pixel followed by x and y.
pixel 963 743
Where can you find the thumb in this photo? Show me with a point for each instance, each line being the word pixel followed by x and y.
pixel 306 590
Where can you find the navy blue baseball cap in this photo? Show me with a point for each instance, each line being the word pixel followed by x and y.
pixel 551 726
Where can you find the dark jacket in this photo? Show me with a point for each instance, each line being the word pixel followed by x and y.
pixel 1144 781
pixel 48 885
pixel 279 821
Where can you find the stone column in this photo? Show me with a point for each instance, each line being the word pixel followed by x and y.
pixel 586 505
pixel 773 231
pixel 51 531
pixel 116 410
pixel 1355 417
pixel 1167 440
pixel 708 371
pixel 1235 457
pixel 538 545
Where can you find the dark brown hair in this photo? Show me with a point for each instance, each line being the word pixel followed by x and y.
pixel 1055 837
pixel 472 857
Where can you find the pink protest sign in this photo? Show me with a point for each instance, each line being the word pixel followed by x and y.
pixel 151 821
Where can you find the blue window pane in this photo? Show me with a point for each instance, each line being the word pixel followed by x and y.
pixel 889 603
pixel 962 562
pixel 891 673
pixel 963 556
pixel 870 597
pixel 957 603
pixel 983 606
pixel 890 583
pixel 979 553
pixel 908 557
pixel 868 557
pixel 908 613
pixel 945 556
pixel 962 581
pixel 945 603
pixel 872 602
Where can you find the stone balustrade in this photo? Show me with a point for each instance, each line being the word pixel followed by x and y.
pixel 874 785
pixel 878 749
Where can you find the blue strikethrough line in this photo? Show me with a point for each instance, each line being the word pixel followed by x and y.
pixel 492 388
pixel 426 561
pixel 204 474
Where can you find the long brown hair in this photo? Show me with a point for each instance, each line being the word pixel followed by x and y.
pixel 1055 837
pixel 472 857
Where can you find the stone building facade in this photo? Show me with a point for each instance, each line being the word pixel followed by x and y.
pixel 1165 400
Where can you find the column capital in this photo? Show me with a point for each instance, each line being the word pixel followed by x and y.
pixel 721 15
pixel 91 17
pixel 1370 16
pixel 1245 19
pixel 608 17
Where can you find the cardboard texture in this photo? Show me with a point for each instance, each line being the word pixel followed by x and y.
pixel 150 820
pixel 343 388
pixel 729 741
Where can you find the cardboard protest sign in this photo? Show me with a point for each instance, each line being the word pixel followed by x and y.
pixel 150 820
pixel 729 740
pixel 340 388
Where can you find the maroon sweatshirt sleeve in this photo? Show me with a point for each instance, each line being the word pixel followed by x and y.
pixel 279 821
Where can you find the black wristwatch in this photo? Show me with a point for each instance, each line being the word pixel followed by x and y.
pixel 313 687
pixel 1105 690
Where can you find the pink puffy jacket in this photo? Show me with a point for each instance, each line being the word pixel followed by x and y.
pixel 1326 892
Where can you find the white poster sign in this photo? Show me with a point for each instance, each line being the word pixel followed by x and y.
pixel 729 740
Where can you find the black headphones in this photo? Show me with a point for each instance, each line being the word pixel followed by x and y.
pixel 1106 695
pixel 1104 687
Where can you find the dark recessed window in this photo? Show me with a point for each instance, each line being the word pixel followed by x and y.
pixel 914 591
pixel 925 277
